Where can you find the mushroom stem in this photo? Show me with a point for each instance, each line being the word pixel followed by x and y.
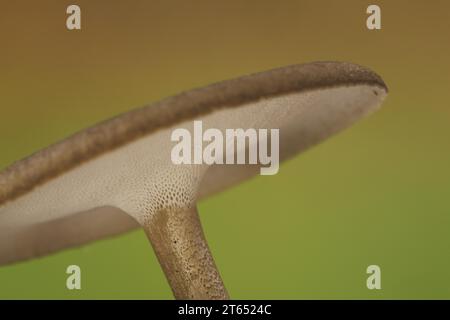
pixel 180 245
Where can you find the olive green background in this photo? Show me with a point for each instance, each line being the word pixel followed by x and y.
pixel 378 193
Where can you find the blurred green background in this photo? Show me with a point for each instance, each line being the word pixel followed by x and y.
pixel 378 193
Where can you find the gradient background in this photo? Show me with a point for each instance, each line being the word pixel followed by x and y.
pixel 378 193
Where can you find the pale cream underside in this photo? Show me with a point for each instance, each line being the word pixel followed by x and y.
pixel 139 178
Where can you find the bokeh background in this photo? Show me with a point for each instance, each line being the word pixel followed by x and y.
pixel 378 193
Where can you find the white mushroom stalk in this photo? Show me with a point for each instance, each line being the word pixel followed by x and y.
pixel 119 174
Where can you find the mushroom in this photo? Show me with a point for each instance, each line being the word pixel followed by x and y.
pixel 118 175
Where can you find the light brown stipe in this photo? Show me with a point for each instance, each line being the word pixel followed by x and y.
pixel 177 237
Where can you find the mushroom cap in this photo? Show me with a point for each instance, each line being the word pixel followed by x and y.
pixel 107 179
